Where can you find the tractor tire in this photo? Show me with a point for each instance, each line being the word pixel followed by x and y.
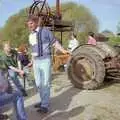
pixel 86 68
pixel 98 50
pixel 110 51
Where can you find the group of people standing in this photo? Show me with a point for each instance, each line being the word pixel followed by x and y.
pixel 41 40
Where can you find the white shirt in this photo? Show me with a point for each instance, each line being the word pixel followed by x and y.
pixel 33 39
pixel 73 44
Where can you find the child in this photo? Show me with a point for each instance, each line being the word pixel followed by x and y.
pixel 91 39
pixel 10 59
pixel 24 63
pixel 8 95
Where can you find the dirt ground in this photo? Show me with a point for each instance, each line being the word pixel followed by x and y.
pixel 69 103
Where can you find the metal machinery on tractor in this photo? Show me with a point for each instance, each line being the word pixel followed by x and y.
pixel 89 65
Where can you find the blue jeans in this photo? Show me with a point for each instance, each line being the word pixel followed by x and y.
pixel 14 77
pixel 17 99
pixel 42 73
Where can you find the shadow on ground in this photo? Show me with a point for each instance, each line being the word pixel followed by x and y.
pixel 56 75
pixel 65 115
pixel 109 83
pixel 59 109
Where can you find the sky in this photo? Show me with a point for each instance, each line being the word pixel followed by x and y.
pixel 106 11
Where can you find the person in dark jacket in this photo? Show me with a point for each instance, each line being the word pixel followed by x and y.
pixel 9 95
pixel 24 63
pixel 10 59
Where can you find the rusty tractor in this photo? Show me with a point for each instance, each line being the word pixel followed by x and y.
pixel 91 65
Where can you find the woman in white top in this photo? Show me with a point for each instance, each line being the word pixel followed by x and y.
pixel 73 43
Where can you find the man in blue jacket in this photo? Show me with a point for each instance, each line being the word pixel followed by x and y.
pixel 41 39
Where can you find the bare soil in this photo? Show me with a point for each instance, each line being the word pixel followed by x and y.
pixel 69 103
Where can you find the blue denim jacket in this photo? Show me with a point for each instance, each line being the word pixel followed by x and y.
pixel 41 45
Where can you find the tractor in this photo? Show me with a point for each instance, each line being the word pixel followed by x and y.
pixel 89 65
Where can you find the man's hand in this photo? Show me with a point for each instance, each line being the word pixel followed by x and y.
pixel 29 65
pixel 65 52
pixel 21 73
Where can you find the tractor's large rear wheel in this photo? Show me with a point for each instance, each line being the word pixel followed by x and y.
pixel 86 68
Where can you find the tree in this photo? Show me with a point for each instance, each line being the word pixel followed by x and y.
pixel 82 18
pixel 108 33
pixel 118 27
pixel 115 40
pixel 16 31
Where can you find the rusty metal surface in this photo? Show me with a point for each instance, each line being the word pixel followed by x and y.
pixel 100 37
pixel 112 63
pixel 113 68
pixel 58 10
pixel 83 68
pixel 52 19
